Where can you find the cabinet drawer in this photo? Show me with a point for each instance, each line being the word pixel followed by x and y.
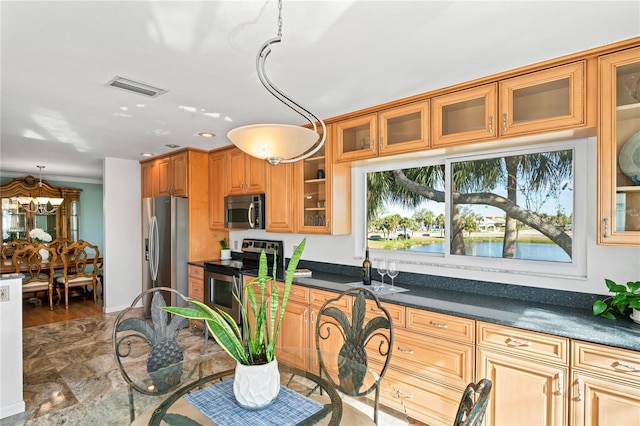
pixel 446 362
pixel 396 312
pixel 441 325
pixel 196 289
pixel 196 272
pixel 424 401
pixel 621 363
pixel 298 294
pixel 318 297
pixel 527 343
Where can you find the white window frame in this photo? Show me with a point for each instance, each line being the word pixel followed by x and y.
pixel 575 268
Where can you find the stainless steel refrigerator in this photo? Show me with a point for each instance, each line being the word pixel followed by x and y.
pixel 165 246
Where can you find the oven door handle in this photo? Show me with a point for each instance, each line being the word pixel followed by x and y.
pixel 250 213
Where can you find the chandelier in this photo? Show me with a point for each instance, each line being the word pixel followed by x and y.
pixel 278 143
pixel 39 204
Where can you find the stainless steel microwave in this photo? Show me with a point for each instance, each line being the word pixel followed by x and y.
pixel 244 211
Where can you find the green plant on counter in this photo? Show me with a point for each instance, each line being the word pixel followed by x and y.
pixel 624 297
pixel 224 244
pixel 261 332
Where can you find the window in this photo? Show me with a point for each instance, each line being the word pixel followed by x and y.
pixel 507 210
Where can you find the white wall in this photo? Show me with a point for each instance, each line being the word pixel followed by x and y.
pixel 620 264
pixel 122 233
pixel 11 402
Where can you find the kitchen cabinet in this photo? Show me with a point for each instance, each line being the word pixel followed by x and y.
pixel 550 99
pixel 432 362
pixel 465 116
pixel 280 205
pixel 17 222
pixel 529 372
pixel 195 279
pixel 619 149
pixel 396 130
pixel 217 188
pixel 245 174
pixel 172 174
pixel 149 179
pixel 604 386
pixel 322 193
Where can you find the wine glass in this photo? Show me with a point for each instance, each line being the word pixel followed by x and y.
pixel 392 270
pixel 382 269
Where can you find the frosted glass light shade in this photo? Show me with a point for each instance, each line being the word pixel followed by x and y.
pixel 273 141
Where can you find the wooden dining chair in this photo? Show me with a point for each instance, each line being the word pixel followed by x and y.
pixel 8 248
pixel 358 337
pixel 473 404
pixel 79 268
pixel 38 273
pixel 150 352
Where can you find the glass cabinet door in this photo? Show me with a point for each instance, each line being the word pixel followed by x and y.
pixel 465 116
pixel 314 192
pixel 619 149
pixel 356 138
pixel 404 129
pixel 544 100
pixel 14 221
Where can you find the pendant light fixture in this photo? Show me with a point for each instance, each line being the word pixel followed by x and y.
pixel 279 143
pixel 40 204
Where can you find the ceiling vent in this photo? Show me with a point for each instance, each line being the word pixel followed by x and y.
pixel 135 86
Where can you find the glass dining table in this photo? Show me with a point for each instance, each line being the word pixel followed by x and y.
pixel 305 398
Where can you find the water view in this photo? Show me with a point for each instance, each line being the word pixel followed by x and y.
pixel 526 251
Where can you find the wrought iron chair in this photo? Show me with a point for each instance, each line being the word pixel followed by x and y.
pixel 153 355
pixel 80 268
pixel 38 274
pixel 471 413
pixel 367 335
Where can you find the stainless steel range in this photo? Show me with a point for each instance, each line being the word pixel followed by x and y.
pixel 223 277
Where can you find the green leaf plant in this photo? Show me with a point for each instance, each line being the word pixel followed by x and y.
pixel 624 297
pixel 260 335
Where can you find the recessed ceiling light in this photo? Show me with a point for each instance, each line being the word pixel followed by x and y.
pixel 206 134
pixel 146 154
pixel 172 145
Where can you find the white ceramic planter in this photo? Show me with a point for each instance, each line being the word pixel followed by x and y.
pixel 635 316
pixel 225 254
pixel 256 386
pixel 44 254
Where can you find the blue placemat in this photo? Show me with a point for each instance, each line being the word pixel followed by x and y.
pixel 218 404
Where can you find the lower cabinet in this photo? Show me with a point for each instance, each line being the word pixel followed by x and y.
pixel 196 287
pixel 529 372
pixel 605 385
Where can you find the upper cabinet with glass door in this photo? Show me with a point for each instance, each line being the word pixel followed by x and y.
pixel 323 193
pixel 619 149
pixel 392 131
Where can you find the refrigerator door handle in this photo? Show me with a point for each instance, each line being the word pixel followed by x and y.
pixel 251 211
pixel 155 253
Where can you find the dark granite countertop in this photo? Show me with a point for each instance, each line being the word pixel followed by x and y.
pixel 572 322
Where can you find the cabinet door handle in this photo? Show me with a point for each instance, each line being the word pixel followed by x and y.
pixel 491 124
pixel 518 342
pixel 304 314
pixel 439 325
pixel 606 227
pixel 311 317
pixel 372 145
pixel 627 366
pixel 405 351
pixel 381 143
pixel 401 394
pixel 328 226
pixel 559 391
pixel 504 122
pixel 580 384
pixel 376 311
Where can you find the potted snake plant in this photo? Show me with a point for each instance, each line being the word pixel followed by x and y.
pixel 254 351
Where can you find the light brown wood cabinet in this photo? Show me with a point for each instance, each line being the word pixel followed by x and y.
pixel 618 195
pixel 172 174
pixel 322 202
pixel 605 389
pixel 246 174
pixel 149 179
pixel 529 372
pixel 195 281
pixel 217 188
pixel 396 130
pixel 281 207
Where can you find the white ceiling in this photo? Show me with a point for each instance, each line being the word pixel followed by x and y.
pixel 335 57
